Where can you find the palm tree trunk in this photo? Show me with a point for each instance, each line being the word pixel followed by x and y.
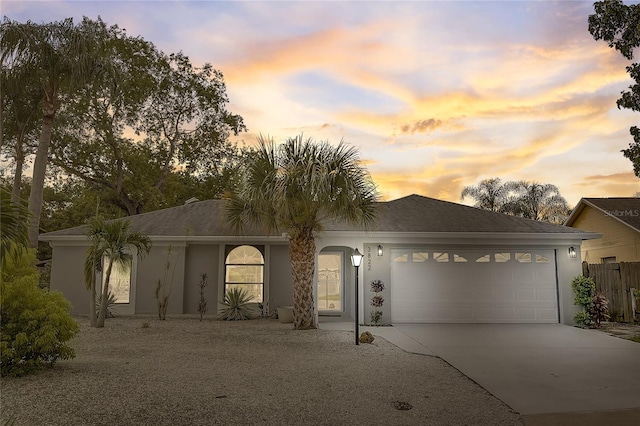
pixel 39 170
pixel 302 250
pixel 17 176
pixel 92 306
pixel 104 299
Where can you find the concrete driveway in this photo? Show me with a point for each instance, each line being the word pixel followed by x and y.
pixel 534 368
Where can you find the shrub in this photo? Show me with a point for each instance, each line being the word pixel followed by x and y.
pixel 236 305
pixel 34 323
pixel 584 289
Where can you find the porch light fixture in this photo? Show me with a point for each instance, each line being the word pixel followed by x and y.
pixel 356 260
pixel 379 250
pixel 572 253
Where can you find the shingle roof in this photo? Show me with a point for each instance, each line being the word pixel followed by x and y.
pixel 202 218
pixel 623 209
pixel 416 213
pixel 413 213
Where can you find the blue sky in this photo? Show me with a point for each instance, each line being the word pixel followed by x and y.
pixel 435 95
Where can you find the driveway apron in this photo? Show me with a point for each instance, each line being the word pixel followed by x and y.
pixel 537 368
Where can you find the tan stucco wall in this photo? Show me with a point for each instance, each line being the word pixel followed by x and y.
pixel 617 239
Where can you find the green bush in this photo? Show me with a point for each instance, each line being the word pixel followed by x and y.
pixel 584 289
pixel 34 323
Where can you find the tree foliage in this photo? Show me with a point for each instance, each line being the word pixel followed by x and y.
pixel 619 25
pixel 531 200
pixel 59 57
pixel 14 231
pixel 150 125
pixel 295 187
pixel 120 121
pixel 34 323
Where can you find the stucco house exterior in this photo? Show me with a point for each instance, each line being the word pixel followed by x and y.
pixel 439 262
pixel 617 219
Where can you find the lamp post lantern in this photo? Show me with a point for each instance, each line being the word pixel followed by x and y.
pixel 356 260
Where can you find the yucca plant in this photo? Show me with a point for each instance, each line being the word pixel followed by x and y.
pixel 236 305
pixel 111 301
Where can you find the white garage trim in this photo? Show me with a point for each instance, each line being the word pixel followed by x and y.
pixel 473 286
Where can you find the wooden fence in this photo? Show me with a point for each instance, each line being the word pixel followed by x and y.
pixel 615 281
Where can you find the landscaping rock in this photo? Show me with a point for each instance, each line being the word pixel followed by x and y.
pixel 366 337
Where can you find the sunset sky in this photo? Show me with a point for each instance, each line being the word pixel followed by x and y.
pixel 435 95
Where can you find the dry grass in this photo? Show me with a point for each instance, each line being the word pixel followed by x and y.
pixel 185 372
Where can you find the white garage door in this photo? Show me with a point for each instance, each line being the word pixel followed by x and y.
pixel 473 286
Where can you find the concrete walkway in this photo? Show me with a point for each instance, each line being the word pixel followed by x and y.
pixel 536 369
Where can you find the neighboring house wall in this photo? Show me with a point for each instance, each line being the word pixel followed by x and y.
pixel 617 239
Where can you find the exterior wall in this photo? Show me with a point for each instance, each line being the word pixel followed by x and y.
pixel 617 239
pixel 376 267
pixel 201 259
pixel 67 276
pixel 190 261
pixel 280 285
pixel 567 269
pixel 151 269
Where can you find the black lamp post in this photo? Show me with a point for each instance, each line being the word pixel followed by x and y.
pixel 356 260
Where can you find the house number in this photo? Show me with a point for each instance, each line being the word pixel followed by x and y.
pixel 368 258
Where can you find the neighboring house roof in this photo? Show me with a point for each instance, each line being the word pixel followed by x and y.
pixel 411 214
pixel 625 210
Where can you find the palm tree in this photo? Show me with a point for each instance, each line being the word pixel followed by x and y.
pixel 93 262
pixel 61 57
pixel 489 194
pixel 111 240
pixel 295 187
pixel 538 201
pixel 13 226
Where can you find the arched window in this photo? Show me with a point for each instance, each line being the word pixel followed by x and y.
pixel 244 268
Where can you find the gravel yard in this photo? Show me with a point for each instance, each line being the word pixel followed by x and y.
pixel 142 371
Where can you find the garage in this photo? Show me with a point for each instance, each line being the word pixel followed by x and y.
pixel 497 285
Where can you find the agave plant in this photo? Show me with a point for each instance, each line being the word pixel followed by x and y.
pixel 236 305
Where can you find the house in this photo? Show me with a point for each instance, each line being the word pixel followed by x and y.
pixel 617 219
pixel 439 262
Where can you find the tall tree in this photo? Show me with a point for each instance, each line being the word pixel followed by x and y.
pixel 111 240
pixel 619 25
pixel 489 194
pixel 62 57
pixel 533 200
pixel 20 105
pixel 538 201
pixel 177 112
pixel 295 187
